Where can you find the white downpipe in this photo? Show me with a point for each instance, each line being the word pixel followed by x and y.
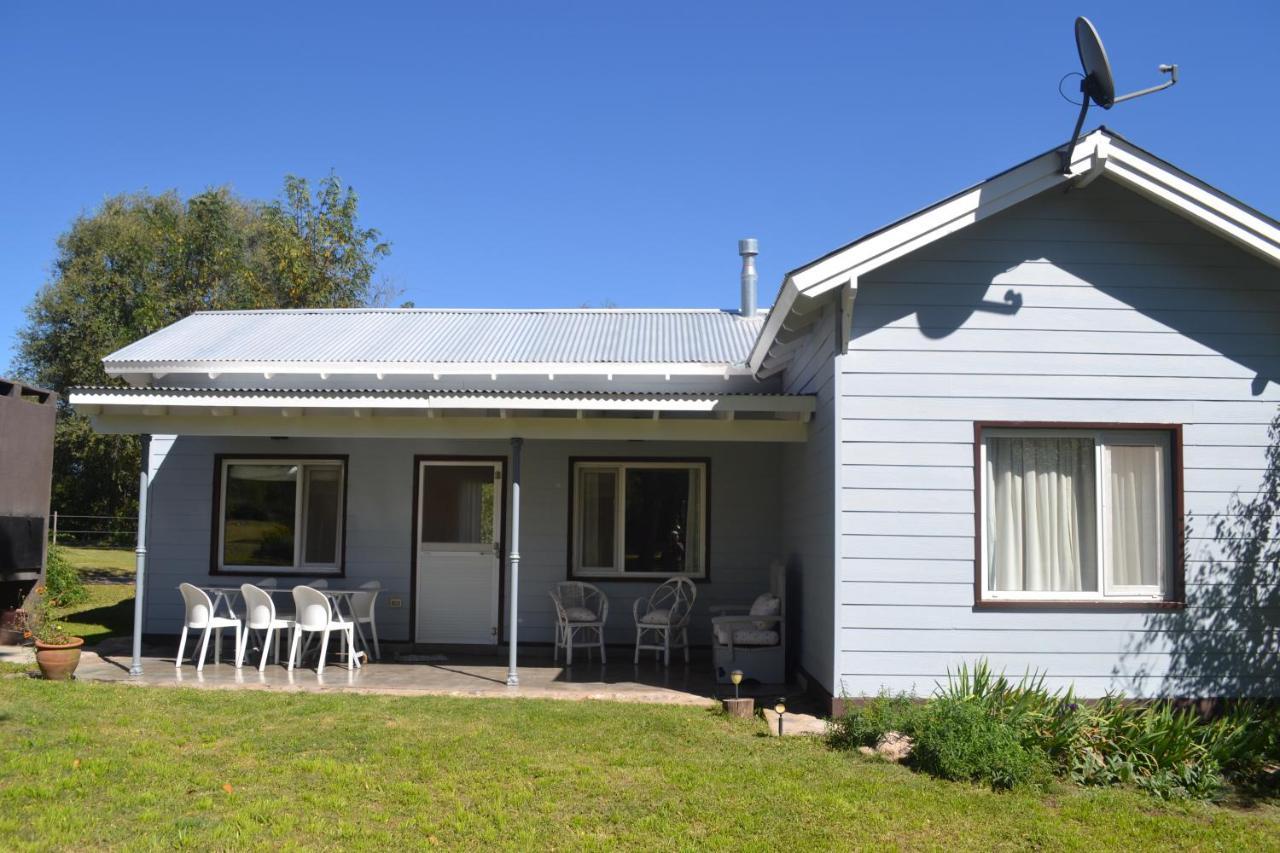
pixel 139 581
pixel 513 560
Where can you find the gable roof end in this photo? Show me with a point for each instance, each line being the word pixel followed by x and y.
pixel 1100 152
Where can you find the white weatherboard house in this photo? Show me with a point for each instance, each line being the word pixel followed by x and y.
pixel 1008 426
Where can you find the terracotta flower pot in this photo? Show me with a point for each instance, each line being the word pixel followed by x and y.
pixel 57 662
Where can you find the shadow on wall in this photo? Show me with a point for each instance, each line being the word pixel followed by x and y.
pixel 1028 262
pixel 1227 641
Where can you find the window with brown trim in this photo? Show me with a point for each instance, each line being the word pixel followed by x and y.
pixel 280 515
pixel 633 518
pixel 1077 514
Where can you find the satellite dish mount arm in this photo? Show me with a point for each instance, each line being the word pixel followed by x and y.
pixel 1088 90
pixel 1075 134
pixel 1171 70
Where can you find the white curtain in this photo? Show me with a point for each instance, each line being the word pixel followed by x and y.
pixel 1138 515
pixel 1041 518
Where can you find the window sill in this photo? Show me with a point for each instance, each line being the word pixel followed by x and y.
pixel 1079 604
pixel 634 578
pixel 276 572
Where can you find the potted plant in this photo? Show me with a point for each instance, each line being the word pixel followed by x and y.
pixel 57 652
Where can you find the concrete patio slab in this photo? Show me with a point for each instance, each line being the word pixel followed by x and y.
pixel 429 672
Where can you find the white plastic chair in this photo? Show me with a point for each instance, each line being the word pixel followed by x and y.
pixel 662 619
pixel 260 615
pixel 200 617
pixel 313 615
pixel 579 607
pixel 362 610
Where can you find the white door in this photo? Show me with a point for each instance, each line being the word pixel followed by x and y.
pixel 459 534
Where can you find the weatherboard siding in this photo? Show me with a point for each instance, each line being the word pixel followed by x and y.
pixel 808 508
pixel 1092 305
pixel 743 512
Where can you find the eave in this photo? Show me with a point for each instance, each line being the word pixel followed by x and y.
pixel 457 414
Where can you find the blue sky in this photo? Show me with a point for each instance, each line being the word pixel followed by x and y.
pixel 556 154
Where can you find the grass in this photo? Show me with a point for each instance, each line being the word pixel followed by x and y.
pixel 107 612
pixel 93 766
pixel 102 563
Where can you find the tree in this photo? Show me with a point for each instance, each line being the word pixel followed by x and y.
pixel 143 261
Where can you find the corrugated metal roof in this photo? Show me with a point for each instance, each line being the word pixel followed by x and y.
pixel 447 336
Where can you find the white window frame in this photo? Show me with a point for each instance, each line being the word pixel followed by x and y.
pixel 619 468
pixel 300 566
pixel 1103 439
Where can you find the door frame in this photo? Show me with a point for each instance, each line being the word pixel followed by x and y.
pixel 415 521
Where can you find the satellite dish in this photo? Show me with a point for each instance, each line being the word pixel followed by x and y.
pixel 1098 85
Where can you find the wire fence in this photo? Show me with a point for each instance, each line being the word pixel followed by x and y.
pixel 100 531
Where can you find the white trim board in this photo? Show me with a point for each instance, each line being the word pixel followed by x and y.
pixel 422 426
pixel 159 401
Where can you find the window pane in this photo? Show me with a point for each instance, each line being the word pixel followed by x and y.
pixel 597 505
pixel 324 494
pixel 457 504
pixel 1041 515
pixel 260 504
pixel 657 520
pixel 1139 522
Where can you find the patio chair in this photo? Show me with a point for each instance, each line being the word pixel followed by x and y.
pixel 662 619
pixel 362 610
pixel 314 616
pixel 200 617
pixel 579 607
pixel 260 615
pixel 753 638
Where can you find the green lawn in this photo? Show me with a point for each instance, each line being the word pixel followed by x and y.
pixel 93 766
pixel 105 563
pixel 107 612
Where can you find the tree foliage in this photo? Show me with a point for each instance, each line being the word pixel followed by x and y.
pixel 142 261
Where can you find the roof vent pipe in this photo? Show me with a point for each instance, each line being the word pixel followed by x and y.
pixel 748 248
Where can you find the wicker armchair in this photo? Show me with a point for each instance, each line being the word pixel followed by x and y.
pixel 580 607
pixel 753 638
pixel 662 619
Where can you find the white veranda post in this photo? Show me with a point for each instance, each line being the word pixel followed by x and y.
pixel 135 666
pixel 513 560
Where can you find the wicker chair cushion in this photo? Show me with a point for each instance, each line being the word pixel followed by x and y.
pixel 657 617
pixel 746 636
pixel 767 604
pixel 581 614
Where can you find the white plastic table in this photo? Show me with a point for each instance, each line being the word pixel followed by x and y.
pixel 230 595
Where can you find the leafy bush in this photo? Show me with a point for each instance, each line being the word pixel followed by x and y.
pixel 1246 739
pixel 866 724
pixel 961 740
pixel 981 726
pixel 62 583
pixel 1155 746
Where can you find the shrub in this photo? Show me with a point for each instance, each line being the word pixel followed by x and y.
pixel 981 726
pixel 1157 747
pixel 866 724
pixel 959 739
pixel 1246 739
pixel 62 582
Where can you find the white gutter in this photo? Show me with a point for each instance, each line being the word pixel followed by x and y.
pixel 158 401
